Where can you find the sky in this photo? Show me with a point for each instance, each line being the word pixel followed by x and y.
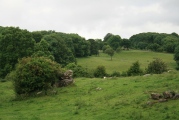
pixel 92 18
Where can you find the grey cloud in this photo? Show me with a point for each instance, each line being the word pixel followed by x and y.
pixel 92 18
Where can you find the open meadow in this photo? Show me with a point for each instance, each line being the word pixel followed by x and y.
pixel 124 98
pixel 123 60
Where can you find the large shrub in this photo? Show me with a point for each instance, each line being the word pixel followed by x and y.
pixel 157 66
pixel 176 56
pixel 100 71
pixel 135 69
pixel 115 74
pixel 79 71
pixel 35 74
pixel 119 49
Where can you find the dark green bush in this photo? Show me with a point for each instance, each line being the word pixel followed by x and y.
pixel 79 71
pixel 35 74
pixel 157 66
pixel 176 56
pixel 118 50
pixel 115 74
pixel 177 67
pixel 135 69
pixel 2 80
pixel 124 74
pixel 100 71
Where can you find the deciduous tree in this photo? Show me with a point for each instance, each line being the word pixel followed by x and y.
pixel 94 48
pixel 176 56
pixel 59 49
pixel 110 52
pixel 15 43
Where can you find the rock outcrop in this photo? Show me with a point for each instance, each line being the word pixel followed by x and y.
pixel 167 95
pixel 66 79
pixel 156 96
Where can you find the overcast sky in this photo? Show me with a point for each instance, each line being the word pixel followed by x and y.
pixel 92 18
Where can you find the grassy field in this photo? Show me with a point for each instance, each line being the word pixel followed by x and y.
pixel 122 61
pixel 123 98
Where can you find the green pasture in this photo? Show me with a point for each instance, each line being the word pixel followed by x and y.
pixel 123 98
pixel 123 60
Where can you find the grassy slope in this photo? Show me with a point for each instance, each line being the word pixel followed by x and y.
pixel 123 98
pixel 119 98
pixel 122 61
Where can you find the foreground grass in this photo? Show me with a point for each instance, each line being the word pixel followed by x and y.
pixel 96 99
pixel 122 61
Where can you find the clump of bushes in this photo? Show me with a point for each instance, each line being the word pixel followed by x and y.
pixel 34 74
pixel 115 74
pixel 124 74
pixel 177 67
pixel 118 50
pixel 100 71
pixel 176 56
pixel 156 67
pixel 2 80
pixel 79 71
pixel 135 69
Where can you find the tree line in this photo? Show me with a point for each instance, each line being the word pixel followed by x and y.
pixel 159 42
pixel 64 48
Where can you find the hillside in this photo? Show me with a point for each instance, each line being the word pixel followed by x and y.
pixel 122 61
pixel 96 98
pixel 112 98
